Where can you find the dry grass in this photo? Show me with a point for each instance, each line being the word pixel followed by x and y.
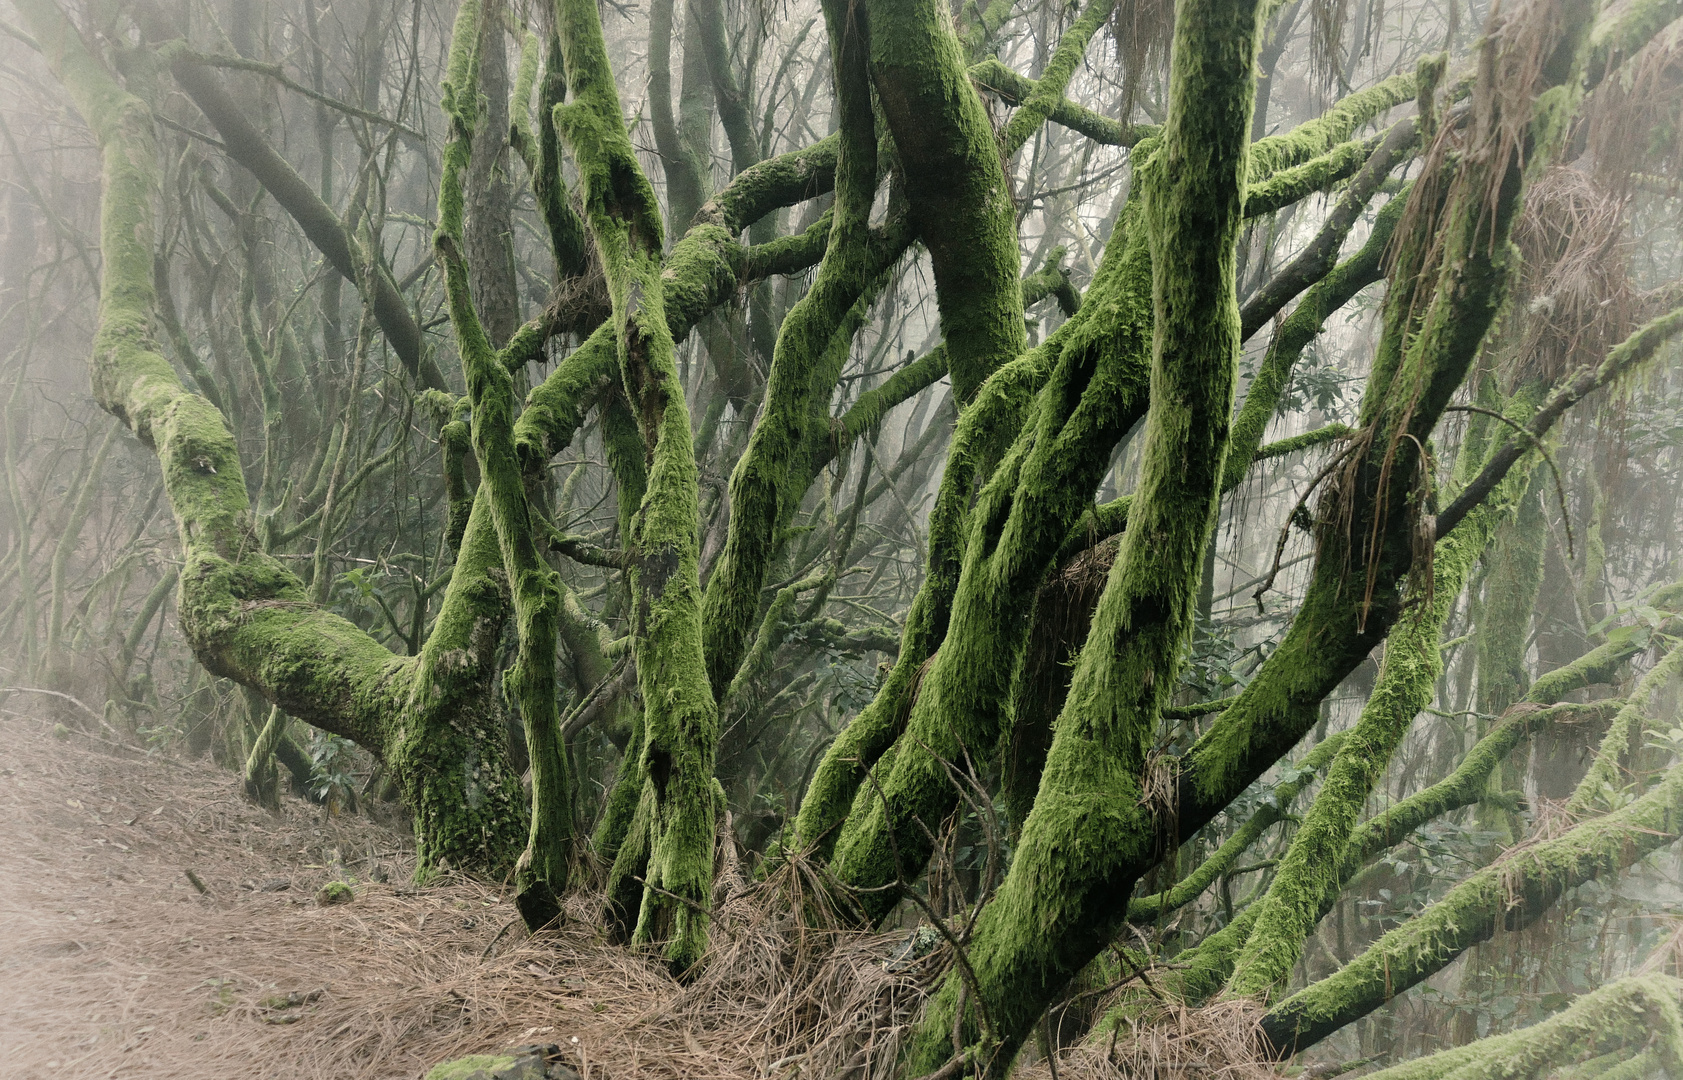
pixel 803 1001
pixel 117 966
pixel 1172 1042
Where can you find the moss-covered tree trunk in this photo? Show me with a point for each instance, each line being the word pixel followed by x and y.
pixel 1057 909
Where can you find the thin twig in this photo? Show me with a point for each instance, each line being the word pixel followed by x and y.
pixel 1285 530
pixel 1548 458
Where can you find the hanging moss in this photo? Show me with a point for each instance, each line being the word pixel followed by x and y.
pixel 1442 313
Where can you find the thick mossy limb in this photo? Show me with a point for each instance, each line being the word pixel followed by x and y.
pixel 1081 844
pixel 1312 873
pixel 1317 174
pixel 1097 390
pixel 985 429
pixel 955 184
pixel 244 615
pixel 1510 894
pixel 1638 1019
pixel 1436 319
pixel 680 718
pixel 1041 683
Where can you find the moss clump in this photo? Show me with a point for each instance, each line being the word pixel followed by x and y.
pixel 335 892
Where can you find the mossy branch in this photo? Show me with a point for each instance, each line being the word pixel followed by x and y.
pixel 1512 893
pixel 1016 89
pixel 1056 908
pixel 1048 92
pixel 1639 1011
pixel 1150 908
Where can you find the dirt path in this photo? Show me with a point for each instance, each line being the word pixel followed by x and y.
pixel 112 964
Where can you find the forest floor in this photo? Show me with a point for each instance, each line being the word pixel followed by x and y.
pixel 114 964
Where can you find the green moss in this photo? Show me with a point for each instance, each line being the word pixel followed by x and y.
pixel 1607 1025
pixel 985 429
pixel 680 719
pixel 812 347
pixel 472 1067
pixel 541 871
pixel 1438 311
pixel 1291 185
pixel 1603 780
pixel 1466 785
pixel 1309 872
pixel 1015 89
pixel 1268 156
pixel 1276 808
pixel 1096 390
pixel 245 616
